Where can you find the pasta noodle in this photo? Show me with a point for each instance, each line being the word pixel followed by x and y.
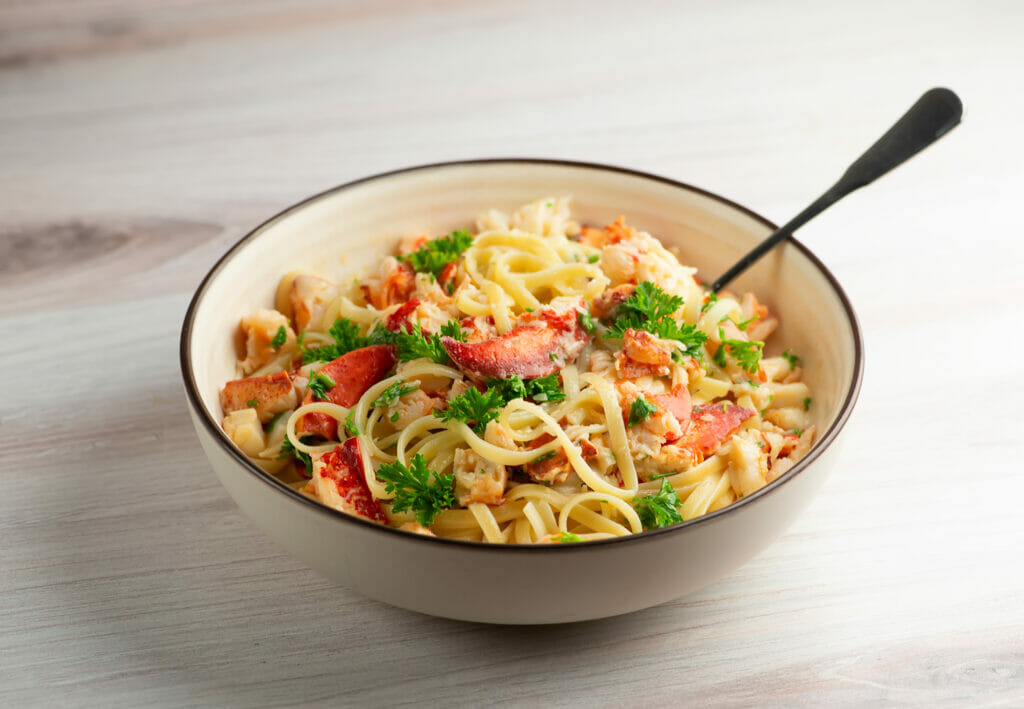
pixel 537 382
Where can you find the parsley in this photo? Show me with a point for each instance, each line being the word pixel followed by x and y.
pixel 651 301
pixel 651 309
pixel 346 339
pixel 593 258
pixel 252 403
pixel 351 430
pixel 742 324
pixel 453 329
pixel 433 256
pixel 287 450
pixel 413 490
pixel 746 354
pixel 269 425
pixel 566 538
pixel 394 417
pixel 798 431
pixel 640 410
pixel 807 403
pixel 540 389
pixel 391 395
pixel 791 358
pixel 473 408
pixel 415 344
pixel 279 338
pixel 541 458
pixel 301 338
pixel 586 322
pixel 711 299
pixel 319 383
pixel 660 510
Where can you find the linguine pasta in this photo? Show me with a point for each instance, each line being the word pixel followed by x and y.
pixel 534 382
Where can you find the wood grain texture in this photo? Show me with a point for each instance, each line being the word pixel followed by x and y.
pixel 138 141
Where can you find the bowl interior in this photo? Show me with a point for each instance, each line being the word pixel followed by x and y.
pixel 343 232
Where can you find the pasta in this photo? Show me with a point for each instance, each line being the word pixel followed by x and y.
pixel 538 381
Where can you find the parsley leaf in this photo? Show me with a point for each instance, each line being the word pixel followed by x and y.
pixel 473 408
pixel 287 450
pixel 709 301
pixel 413 490
pixel 351 430
pixel 252 403
pixel 593 258
pixel 346 339
pixel 650 309
pixel 586 321
pixel 746 354
pixel 807 404
pixel 453 329
pixel 391 395
pixel 433 256
pixel 280 337
pixel 640 410
pixel 319 383
pixel 660 510
pixel 540 389
pixel 566 538
pixel 415 344
pixel 793 360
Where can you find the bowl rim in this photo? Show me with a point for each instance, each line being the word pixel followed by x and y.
pixel 217 433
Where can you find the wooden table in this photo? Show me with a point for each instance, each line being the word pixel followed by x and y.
pixel 137 142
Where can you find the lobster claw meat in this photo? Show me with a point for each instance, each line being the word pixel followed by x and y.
pixel 712 424
pixel 536 349
pixel 269 395
pixel 340 481
pixel 353 373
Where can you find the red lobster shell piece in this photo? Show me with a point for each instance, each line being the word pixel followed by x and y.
pixel 343 482
pixel 536 349
pixel 712 424
pixel 353 373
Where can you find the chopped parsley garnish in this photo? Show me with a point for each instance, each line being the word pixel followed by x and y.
pixel 287 450
pixel 807 403
pixel 746 354
pixel 279 338
pixel 541 458
pixel 742 324
pixel 798 431
pixel 252 403
pixel 453 329
pixel 640 410
pixel 413 490
pixel 540 389
pixel 473 408
pixel 650 308
pixel 415 344
pixel 660 510
pixel 269 425
pixel 586 321
pixel 351 430
pixel 711 299
pixel 566 538
pixel 593 258
pixel 391 395
pixel 319 383
pixel 793 360
pixel 433 256
pixel 346 339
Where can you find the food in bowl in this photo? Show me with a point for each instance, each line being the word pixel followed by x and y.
pixel 538 381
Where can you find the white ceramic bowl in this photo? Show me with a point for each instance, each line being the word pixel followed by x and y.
pixel 342 231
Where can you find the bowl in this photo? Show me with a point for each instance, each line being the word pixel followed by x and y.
pixel 344 230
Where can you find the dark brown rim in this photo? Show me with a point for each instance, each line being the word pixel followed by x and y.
pixel 215 430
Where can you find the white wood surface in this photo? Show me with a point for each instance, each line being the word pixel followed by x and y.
pixel 138 141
